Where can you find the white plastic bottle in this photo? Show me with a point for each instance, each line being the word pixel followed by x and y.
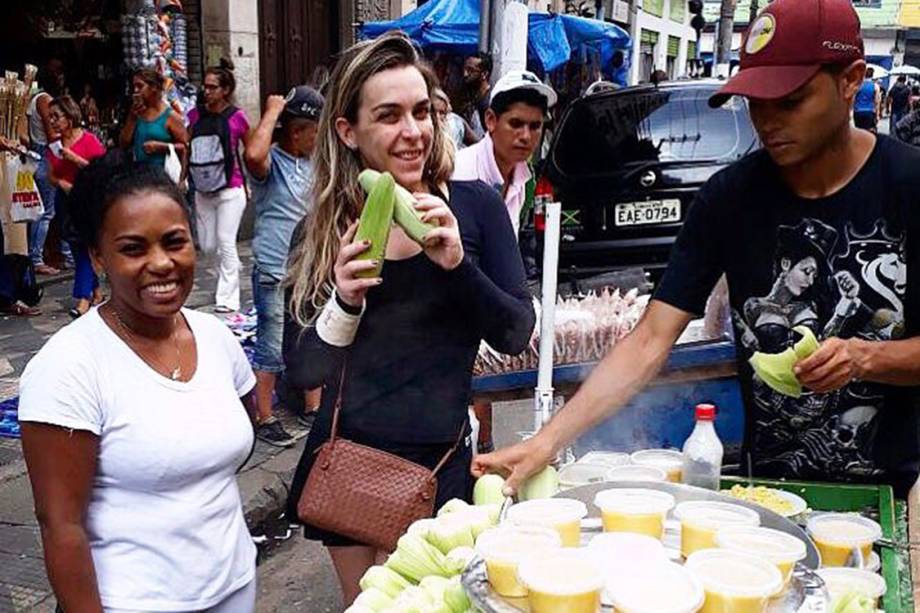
pixel 703 451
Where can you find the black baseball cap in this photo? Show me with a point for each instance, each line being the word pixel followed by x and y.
pixel 304 102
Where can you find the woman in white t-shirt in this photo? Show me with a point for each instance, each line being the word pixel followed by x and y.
pixel 133 426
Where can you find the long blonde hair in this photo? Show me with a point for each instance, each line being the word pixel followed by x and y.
pixel 337 194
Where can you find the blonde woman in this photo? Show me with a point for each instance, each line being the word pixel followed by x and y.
pixel 410 335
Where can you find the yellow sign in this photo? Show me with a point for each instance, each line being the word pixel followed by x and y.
pixel 760 34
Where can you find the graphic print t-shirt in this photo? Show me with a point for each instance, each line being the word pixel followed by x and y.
pixel 837 265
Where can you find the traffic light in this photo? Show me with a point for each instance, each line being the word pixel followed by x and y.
pixel 697 22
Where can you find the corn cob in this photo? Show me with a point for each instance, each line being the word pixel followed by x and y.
pixel 374 225
pixel 404 212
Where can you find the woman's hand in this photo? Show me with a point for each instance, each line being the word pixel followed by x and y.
pixel 350 288
pixel 152 147
pixel 442 245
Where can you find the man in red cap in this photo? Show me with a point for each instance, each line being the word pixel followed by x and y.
pixel 817 230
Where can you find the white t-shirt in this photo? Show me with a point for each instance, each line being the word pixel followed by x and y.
pixel 165 522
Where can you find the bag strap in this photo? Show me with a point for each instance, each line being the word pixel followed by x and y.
pixel 338 408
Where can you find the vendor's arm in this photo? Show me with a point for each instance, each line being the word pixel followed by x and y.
pixel 633 362
pixel 313 353
pixel 258 148
pixel 625 371
pixel 494 290
pixel 62 464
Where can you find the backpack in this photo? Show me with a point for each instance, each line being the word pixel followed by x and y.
pixel 17 281
pixel 212 159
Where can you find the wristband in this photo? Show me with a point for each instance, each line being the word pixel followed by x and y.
pixel 335 326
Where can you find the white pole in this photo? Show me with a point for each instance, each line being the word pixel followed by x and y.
pixel 543 398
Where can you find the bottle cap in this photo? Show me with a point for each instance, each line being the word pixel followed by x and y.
pixel 705 412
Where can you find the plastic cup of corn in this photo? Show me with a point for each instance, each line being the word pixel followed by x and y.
pixel 631 472
pixel 734 582
pixel 778 547
pixel 620 551
pixel 837 534
pixel 663 587
pixel 843 581
pixel 609 459
pixel 669 460
pixel 634 510
pixel 567 581
pixel 578 474
pixel 701 519
pixel 505 547
pixel 561 514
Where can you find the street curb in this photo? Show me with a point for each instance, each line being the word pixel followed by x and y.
pixel 264 488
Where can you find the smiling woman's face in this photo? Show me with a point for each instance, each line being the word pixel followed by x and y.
pixel 145 247
pixel 394 127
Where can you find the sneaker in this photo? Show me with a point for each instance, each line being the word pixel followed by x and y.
pixel 44 269
pixel 273 433
pixel 221 308
pixel 306 419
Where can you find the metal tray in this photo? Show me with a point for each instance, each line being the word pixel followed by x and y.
pixel 683 493
pixel 806 593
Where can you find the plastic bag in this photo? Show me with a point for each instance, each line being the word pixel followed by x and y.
pixel 26 201
pixel 173 165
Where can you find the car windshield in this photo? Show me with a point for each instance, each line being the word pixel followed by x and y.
pixel 619 132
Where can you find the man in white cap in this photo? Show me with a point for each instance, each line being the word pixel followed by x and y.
pixel 514 122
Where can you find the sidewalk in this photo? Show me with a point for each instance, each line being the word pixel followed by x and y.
pixel 23 583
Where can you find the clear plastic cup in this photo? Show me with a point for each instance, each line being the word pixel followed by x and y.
pixel 617 553
pixel 837 534
pixel 566 582
pixel 610 459
pixel 578 474
pixel 663 587
pixel 734 581
pixel 505 547
pixel 701 519
pixel 841 581
pixel 631 472
pixel 561 514
pixel 778 547
pixel 670 461
pixel 634 510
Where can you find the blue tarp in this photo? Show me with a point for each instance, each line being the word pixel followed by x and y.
pixel 553 40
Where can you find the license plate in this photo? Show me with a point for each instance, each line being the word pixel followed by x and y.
pixel 650 212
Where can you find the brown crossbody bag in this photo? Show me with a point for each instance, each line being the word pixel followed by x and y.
pixel 367 494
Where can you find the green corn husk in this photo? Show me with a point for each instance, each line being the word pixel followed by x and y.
pixel 455 597
pixel 404 212
pixel 384 579
pixel 776 369
pixel 415 558
pixel 375 222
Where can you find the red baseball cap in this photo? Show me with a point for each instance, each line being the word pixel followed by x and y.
pixel 787 44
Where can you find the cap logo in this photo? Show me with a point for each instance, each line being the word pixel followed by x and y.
pixel 838 46
pixel 291 94
pixel 760 34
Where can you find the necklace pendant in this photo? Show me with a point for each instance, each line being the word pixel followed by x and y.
pixel 176 373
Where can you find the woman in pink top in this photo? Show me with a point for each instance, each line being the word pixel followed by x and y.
pixel 217 129
pixel 76 149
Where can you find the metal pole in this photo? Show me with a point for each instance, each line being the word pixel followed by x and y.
pixel 485 20
pixel 543 398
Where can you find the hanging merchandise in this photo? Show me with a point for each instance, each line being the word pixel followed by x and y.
pixel 154 35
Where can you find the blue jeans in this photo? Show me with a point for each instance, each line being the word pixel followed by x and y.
pixel 269 301
pixel 38 230
pixel 85 280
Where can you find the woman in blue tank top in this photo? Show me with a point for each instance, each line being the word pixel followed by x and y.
pixel 152 124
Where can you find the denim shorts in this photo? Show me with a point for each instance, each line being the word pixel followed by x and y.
pixel 269 302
